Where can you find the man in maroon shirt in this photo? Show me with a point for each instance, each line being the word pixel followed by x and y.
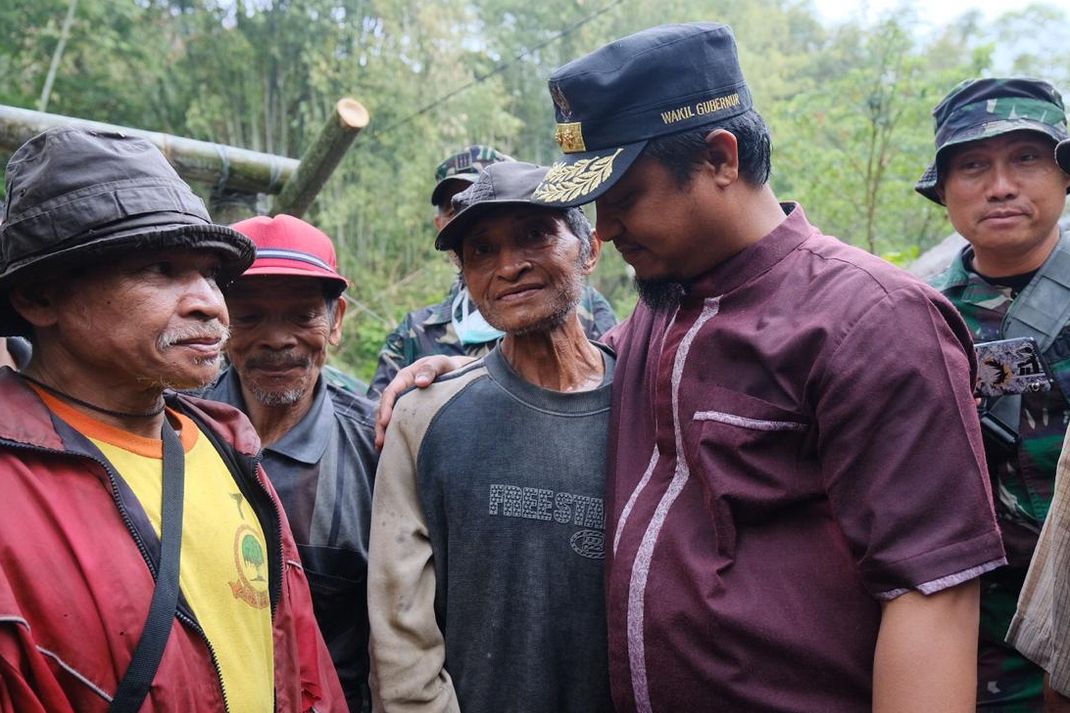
pixel 797 505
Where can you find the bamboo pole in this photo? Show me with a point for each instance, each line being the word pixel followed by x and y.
pixel 321 158
pixel 226 167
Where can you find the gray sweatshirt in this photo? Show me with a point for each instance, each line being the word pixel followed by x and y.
pixel 485 580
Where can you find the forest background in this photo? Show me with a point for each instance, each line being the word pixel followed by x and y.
pixel 849 104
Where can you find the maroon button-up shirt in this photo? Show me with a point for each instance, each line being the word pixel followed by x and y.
pixel 797 441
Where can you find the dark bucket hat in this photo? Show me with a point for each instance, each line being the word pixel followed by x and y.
pixel 78 196
pixel 610 103
pixel 1062 155
pixel 464 166
pixel 502 184
pixel 982 108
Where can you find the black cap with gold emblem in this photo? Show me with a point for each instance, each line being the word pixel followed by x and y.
pixel 609 103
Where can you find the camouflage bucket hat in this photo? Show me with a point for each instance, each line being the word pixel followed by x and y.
pixel 982 108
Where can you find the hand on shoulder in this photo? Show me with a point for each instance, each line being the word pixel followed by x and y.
pixel 421 374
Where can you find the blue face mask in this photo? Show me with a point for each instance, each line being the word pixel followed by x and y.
pixel 469 324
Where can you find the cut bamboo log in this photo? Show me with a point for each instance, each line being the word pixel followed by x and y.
pixel 321 158
pixel 218 165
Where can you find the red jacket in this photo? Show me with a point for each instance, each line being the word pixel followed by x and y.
pixel 75 586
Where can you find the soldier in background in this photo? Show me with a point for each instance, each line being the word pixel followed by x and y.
pixel 455 327
pixel 995 171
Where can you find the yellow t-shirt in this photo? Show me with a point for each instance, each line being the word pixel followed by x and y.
pixel 224 570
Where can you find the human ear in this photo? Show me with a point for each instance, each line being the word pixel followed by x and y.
pixel 722 157
pixel 35 303
pixel 335 337
pixel 592 258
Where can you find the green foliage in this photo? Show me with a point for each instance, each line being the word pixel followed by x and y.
pixel 848 105
pixel 903 257
pixel 861 136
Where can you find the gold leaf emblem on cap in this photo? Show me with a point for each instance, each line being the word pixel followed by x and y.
pixel 564 183
pixel 570 136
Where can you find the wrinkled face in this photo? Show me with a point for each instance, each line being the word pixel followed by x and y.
pixel 280 332
pixel 655 223
pixel 1004 194
pixel 522 267
pixel 157 317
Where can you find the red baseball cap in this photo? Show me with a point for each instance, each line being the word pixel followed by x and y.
pixel 286 245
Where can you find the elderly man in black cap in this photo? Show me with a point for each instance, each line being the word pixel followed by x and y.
pixel 146 562
pixel 455 326
pixel 485 579
pixel 789 416
pixel 995 170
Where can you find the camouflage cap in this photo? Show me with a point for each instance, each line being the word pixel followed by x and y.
pixel 464 166
pixel 982 108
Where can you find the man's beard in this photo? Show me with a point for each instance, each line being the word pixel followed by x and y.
pixel 284 397
pixel 659 295
pixel 277 398
pixel 562 302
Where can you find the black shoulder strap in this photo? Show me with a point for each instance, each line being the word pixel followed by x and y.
pixel 1040 311
pixel 142 670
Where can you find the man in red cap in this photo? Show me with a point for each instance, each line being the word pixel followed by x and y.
pixel 318 439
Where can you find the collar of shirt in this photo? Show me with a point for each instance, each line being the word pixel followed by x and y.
pixel 965 287
pixel 307 441
pixel 956 274
pixel 757 258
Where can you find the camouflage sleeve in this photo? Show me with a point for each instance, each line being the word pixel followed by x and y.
pixel 334 375
pixel 595 313
pixel 392 357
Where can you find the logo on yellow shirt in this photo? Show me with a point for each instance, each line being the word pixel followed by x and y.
pixel 250 560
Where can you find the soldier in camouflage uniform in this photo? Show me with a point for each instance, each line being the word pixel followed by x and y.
pixel 434 329
pixel 995 171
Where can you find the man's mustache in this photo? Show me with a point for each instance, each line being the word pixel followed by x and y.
pixel 279 360
pixel 213 331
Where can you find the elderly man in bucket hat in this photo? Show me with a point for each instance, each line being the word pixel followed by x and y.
pixel 319 439
pixel 780 536
pixel 485 579
pixel 995 171
pixel 146 562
